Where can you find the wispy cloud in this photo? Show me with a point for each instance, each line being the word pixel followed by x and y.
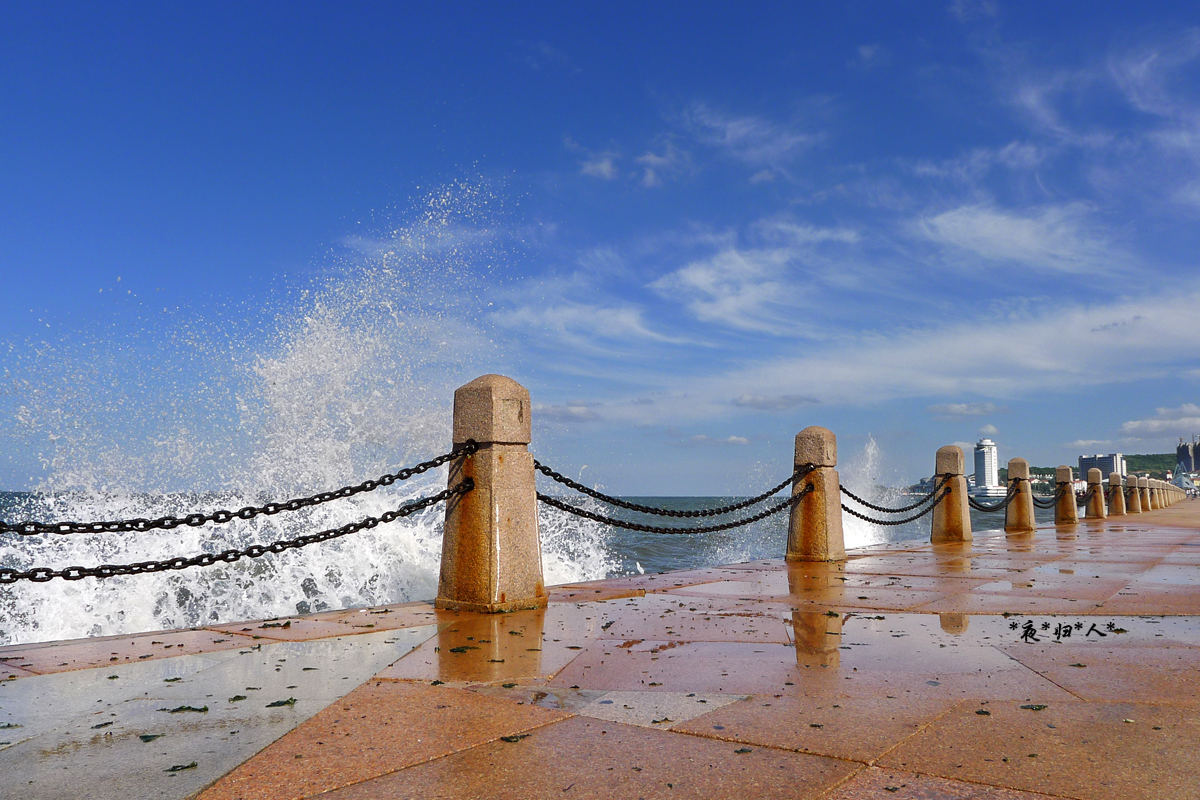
pixel 570 412
pixel 779 402
pixel 657 168
pixel 595 163
pixel 1183 421
pixel 750 139
pixel 1050 237
pixel 953 410
pixel 989 430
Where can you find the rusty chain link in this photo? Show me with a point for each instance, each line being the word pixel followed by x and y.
pixel 634 526
pixel 887 510
pixel 43 574
pixel 249 512
pixel 888 522
pixel 800 472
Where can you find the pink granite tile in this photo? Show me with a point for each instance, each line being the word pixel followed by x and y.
pixel 726 667
pixel 591 758
pixel 875 783
pixel 1095 671
pixel 377 729
pixel 341 623
pixel 1074 749
pixel 51 657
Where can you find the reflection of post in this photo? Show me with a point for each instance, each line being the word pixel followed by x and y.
pixel 954 622
pixel 952 515
pixel 1095 503
pixel 1066 512
pixel 1116 507
pixel 487 648
pixel 815 524
pixel 1018 515
pixel 818 636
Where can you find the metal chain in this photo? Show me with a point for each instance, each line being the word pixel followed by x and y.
pixel 1051 502
pixel 634 526
pixel 1013 491
pixel 885 509
pixel 885 522
pixel 43 574
pixel 249 512
pixel 800 472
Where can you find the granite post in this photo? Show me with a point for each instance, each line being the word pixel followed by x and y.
pixel 1018 515
pixel 491 553
pixel 1144 489
pixel 1096 508
pixel 952 514
pixel 815 524
pixel 1065 510
pixel 1116 507
pixel 1133 503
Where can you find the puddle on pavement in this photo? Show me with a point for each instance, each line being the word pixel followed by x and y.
pixel 121 729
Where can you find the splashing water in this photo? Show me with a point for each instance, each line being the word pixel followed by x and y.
pixel 347 379
pixel 864 475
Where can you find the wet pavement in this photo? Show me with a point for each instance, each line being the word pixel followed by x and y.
pixel 1064 664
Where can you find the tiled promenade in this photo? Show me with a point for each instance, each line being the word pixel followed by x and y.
pixel 907 672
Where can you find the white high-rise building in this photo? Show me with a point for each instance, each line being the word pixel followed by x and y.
pixel 987 471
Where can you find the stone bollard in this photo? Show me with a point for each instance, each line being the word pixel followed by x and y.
pixel 1144 491
pixel 815 524
pixel 491 553
pixel 1066 512
pixel 1018 515
pixel 1133 503
pixel 952 514
pixel 1096 508
pixel 1116 507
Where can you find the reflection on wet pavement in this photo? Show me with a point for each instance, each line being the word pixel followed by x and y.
pixel 122 729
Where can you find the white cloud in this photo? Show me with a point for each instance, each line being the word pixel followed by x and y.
pixel 1182 421
pixel 950 410
pixel 570 412
pixel 578 322
pixel 758 288
pixel 1081 444
pixel 601 165
pixel 753 140
pixel 989 430
pixel 779 402
pixel 1052 237
pixel 968 10
pixel 997 357
pixel 658 168
pixel 728 440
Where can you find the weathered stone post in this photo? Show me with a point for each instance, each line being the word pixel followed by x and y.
pixel 1134 503
pixel 1162 494
pixel 952 514
pixel 1116 508
pixel 1144 489
pixel 815 524
pixel 1018 515
pixel 491 553
pixel 1096 508
pixel 1065 510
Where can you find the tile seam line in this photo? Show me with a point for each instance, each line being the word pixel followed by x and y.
pixel 777 748
pixel 431 759
pixel 1039 674
pixel 920 729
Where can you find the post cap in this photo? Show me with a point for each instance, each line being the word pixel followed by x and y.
pixel 1143 483
pixel 1094 475
pixel 816 445
pixel 492 409
pixel 1063 474
pixel 1114 479
pixel 949 460
pixel 1018 468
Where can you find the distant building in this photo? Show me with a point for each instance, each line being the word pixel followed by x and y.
pixel 987 470
pixel 1186 456
pixel 1113 462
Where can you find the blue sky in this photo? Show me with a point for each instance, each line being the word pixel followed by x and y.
pixel 691 232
